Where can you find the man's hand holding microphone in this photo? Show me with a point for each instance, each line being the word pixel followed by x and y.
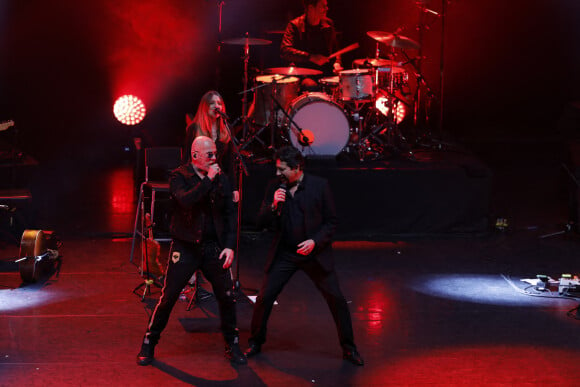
pixel 279 199
pixel 213 171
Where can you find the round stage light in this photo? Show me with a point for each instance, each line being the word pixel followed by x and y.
pixel 129 110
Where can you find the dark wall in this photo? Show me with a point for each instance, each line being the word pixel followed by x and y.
pixel 63 63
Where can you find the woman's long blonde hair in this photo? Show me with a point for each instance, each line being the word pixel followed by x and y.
pixel 203 120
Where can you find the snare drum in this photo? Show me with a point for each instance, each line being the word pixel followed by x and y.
pixel 317 113
pixel 356 85
pixel 397 74
pixel 330 86
pixel 285 89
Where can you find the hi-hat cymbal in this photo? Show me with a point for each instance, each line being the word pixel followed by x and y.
pixel 376 62
pixel 298 71
pixel 393 40
pixel 245 41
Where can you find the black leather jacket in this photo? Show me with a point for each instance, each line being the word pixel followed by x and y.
pixel 189 193
pixel 300 41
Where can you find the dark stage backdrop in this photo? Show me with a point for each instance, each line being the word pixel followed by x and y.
pixel 508 64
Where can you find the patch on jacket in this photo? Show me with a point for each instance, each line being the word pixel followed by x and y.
pixel 175 256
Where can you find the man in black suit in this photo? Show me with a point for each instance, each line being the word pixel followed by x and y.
pixel 302 208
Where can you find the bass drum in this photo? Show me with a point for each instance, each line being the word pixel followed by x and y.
pixel 321 119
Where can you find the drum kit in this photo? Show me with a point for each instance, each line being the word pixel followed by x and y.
pixel 356 113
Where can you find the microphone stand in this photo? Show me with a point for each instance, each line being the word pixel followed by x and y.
pixel 241 170
pixel 442 66
pixel 220 5
pixel 294 126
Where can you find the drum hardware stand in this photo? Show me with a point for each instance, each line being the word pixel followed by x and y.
pixel 391 127
pixel 272 124
pixel 360 144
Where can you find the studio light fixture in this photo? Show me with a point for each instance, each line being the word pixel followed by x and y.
pixel 129 109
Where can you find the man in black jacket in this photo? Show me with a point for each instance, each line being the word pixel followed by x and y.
pixel 302 208
pixel 203 229
pixel 309 40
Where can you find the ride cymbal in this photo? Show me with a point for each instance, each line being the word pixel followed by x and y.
pixel 376 62
pixel 393 40
pixel 297 71
pixel 247 41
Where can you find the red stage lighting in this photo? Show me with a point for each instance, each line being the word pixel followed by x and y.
pixel 383 104
pixel 129 110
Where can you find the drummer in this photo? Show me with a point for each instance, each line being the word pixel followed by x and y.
pixel 309 40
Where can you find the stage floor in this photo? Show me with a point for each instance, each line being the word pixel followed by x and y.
pixel 445 310
pixel 429 312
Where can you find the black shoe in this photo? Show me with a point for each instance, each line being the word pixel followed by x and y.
pixel 354 357
pixel 253 350
pixel 235 355
pixel 145 356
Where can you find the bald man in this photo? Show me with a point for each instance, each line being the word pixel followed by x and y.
pixel 203 230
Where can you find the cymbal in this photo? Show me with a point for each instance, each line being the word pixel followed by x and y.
pixel 276 32
pixel 247 41
pixel 376 62
pixel 393 40
pixel 298 71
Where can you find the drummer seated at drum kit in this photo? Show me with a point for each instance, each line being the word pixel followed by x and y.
pixel 309 40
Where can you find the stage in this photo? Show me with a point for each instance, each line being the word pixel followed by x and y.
pixel 427 309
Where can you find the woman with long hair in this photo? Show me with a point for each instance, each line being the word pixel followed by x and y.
pixel 207 122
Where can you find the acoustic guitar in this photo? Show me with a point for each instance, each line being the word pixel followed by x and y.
pixel 152 249
pixel 6 124
pixel 37 253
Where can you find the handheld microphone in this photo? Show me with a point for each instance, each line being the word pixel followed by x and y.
pixel 221 114
pixel 280 204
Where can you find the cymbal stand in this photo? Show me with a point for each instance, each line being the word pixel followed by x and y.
pixel 244 116
pixel 422 100
pixel 272 121
pixel 391 124
pixel 248 140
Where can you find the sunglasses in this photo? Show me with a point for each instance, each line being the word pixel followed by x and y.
pixel 209 154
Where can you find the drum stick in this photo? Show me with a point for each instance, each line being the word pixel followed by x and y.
pixel 353 46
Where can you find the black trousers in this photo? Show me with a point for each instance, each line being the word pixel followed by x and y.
pixel 185 259
pixel 283 268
